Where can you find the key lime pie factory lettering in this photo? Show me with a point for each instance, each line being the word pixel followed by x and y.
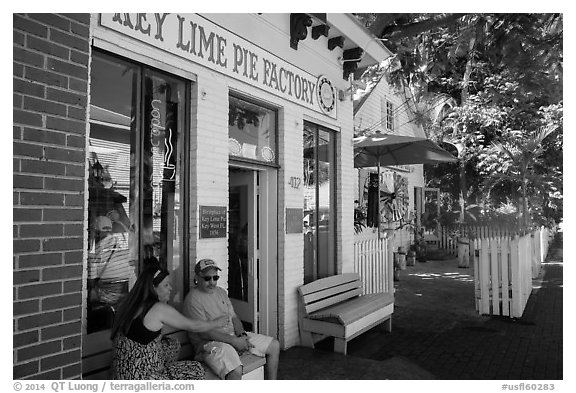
pixel 196 39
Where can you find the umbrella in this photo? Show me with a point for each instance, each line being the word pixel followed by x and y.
pixel 387 149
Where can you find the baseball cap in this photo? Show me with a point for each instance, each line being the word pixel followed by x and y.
pixel 103 223
pixel 204 264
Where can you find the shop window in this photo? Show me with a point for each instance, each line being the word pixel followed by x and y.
pixel 135 153
pixel 252 131
pixel 319 202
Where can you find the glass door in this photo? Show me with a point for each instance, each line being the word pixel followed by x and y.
pixel 243 245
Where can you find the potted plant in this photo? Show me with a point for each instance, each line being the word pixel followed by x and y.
pixel 359 217
pixel 462 239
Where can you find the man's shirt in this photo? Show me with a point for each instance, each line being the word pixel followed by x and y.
pixel 209 306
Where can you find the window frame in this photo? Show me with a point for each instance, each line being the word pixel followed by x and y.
pixel 333 193
pixel 251 100
pixel 137 147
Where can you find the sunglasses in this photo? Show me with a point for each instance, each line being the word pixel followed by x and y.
pixel 208 278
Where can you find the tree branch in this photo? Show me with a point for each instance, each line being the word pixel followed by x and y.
pixel 382 21
pixel 396 32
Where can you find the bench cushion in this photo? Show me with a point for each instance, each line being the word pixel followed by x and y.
pixel 353 309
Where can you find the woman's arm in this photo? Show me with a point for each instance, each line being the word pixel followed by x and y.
pixel 241 343
pixel 168 315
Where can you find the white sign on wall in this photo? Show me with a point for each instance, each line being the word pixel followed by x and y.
pixel 196 39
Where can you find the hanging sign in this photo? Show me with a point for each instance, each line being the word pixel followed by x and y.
pixel 195 38
pixel 212 222
pixel 162 134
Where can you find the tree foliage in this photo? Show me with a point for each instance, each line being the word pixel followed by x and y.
pixel 503 75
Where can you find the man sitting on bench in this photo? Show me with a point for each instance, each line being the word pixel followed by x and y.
pixel 208 301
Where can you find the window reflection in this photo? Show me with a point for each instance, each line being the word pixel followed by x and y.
pixel 112 245
pixel 134 181
pixel 319 190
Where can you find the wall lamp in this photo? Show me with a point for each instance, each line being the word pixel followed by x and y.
pixel 349 92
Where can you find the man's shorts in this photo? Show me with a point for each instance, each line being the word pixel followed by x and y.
pixel 223 358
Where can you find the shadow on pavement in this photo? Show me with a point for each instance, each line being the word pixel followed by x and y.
pixel 437 333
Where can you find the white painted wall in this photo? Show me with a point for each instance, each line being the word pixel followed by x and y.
pixel 370 115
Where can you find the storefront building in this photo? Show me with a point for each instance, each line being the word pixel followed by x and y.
pixel 179 137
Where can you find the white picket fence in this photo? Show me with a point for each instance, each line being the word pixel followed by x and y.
pixel 444 238
pixel 374 264
pixel 504 267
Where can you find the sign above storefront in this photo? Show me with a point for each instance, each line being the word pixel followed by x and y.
pixel 196 39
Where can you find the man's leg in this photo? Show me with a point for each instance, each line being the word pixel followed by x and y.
pixel 235 374
pixel 272 356
pixel 223 360
pixel 269 347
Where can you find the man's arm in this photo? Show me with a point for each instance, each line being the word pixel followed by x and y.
pixel 238 328
pixel 215 335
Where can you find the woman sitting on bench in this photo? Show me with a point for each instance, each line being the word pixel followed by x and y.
pixel 139 350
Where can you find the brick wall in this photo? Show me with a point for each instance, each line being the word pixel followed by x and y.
pixel 50 59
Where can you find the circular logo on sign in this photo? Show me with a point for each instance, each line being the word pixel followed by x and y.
pixel 326 94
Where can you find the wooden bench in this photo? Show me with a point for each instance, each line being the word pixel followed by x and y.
pixel 97 358
pixel 334 306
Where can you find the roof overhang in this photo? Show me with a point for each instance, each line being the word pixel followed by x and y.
pixel 358 36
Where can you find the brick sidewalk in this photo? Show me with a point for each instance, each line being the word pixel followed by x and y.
pixel 437 333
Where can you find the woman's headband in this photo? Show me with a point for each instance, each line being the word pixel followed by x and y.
pixel 160 275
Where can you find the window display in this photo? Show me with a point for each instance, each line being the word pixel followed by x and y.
pixel 252 131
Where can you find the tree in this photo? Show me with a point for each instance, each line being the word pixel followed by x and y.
pixel 438 52
pixel 516 159
pixel 500 70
